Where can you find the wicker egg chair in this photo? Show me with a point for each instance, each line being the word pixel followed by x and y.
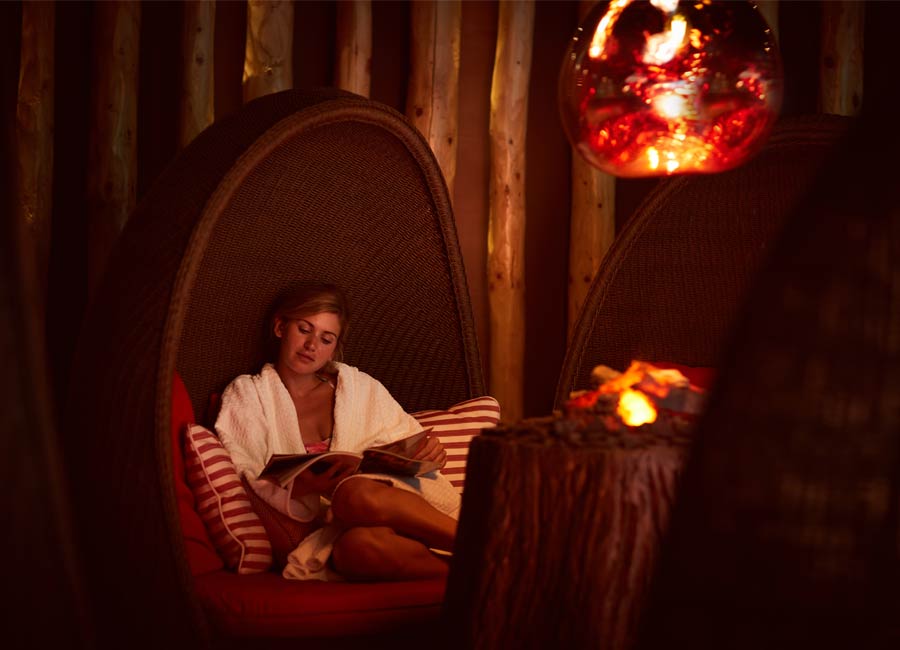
pixel 300 185
pixel 670 285
pixel 787 529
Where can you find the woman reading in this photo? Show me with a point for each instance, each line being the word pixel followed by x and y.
pixel 361 527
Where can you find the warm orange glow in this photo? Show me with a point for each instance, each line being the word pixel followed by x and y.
pixel 667 87
pixel 605 27
pixel 637 391
pixel 667 6
pixel 670 105
pixel 633 375
pixel 635 409
pixel 662 48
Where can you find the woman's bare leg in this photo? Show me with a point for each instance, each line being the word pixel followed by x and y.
pixel 363 502
pixel 379 553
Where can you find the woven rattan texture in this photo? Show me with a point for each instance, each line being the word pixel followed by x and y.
pixel 671 283
pixel 116 423
pixel 344 203
pixel 787 531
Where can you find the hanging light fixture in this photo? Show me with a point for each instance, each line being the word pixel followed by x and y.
pixel 667 87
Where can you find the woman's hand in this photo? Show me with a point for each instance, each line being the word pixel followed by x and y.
pixel 309 482
pixel 431 449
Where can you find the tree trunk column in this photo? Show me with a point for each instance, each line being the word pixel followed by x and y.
pixel 506 221
pixel 592 226
pixel 591 231
pixel 432 102
pixel 841 65
pixel 353 63
pixel 268 54
pixel 112 167
pixel 198 80
pixel 34 140
pixel 559 536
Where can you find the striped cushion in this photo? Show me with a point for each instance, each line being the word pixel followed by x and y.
pixel 456 427
pixel 223 505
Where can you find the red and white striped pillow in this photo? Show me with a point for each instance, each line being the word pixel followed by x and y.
pixel 456 427
pixel 223 504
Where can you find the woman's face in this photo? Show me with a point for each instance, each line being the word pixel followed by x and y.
pixel 307 343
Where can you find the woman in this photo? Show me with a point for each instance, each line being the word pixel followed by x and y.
pixel 364 527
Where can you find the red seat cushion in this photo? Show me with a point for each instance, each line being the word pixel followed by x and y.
pixel 267 605
pixel 201 554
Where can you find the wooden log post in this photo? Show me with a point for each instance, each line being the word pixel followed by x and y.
pixel 591 232
pixel 112 169
pixel 197 81
pixel 506 219
pixel 769 11
pixel 34 143
pixel 592 225
pixel 432 102
pixel 268 54
pixel 559 536
pixel 353 63
pixel 50 595
pixel 841 62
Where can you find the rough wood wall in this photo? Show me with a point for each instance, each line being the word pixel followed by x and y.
pixel 112 159
pixel 302 39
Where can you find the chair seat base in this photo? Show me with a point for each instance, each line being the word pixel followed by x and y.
pixel 267 605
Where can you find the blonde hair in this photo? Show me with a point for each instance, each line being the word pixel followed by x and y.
pixel 308 299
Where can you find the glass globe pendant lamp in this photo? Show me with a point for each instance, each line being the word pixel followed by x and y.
pixel 666 87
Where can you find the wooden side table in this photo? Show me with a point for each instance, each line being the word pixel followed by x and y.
pixel 559 536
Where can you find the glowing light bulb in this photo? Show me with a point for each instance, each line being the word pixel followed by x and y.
pixel 670 87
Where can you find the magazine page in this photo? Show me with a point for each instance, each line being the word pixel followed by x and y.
pixel 407 446
pixel 281 468
pixel 392 458
pixel 377 461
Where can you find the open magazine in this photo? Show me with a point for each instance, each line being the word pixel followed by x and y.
pixel 392 458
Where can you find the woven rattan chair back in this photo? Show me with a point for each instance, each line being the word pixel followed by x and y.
pixel 669 287
pixel 296 186
pixel 342 198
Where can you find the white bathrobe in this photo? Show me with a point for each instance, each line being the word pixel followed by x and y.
pixel 258 419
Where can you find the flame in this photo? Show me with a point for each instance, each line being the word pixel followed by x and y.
pixel 636 391
pixel 635 409
pixel 633 375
